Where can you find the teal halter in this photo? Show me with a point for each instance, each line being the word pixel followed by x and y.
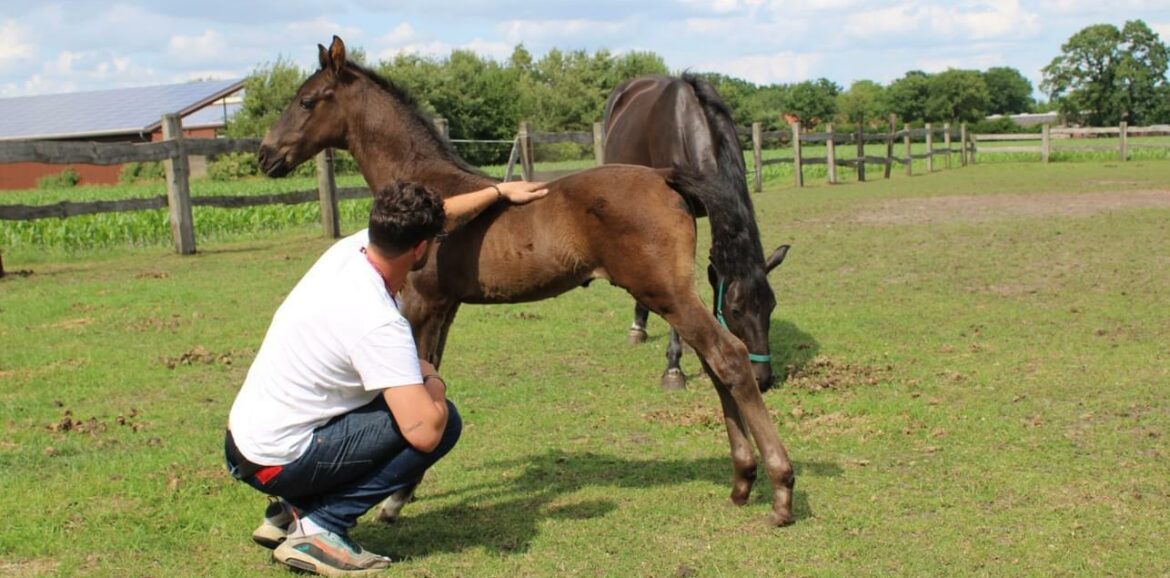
pixel 756 357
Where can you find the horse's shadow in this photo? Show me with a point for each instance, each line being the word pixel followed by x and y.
pixel 505 517
pixel 792 349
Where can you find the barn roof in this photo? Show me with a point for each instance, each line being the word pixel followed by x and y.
pixel 107 112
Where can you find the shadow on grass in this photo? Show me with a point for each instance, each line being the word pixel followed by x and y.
pixel 505 517
pixel 792 349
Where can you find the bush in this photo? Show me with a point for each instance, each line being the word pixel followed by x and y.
pixel 142 172
pixel 64 179
pixel 232 166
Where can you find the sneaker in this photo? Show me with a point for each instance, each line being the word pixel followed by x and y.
pixel 274 529
pixel 329 554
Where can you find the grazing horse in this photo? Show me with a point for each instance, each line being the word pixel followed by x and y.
pixel 660 121
pixel 630 225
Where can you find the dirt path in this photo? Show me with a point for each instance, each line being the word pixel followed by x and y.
pixel 981 208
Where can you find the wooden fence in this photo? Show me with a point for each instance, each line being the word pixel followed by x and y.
pixel 174 151
pixel 1123 132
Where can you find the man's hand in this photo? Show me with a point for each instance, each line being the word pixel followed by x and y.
pixel 521 192
pixel 432 381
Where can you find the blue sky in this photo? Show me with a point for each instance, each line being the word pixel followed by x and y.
pixel 49 47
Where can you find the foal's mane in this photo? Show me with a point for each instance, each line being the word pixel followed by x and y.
pixel 736 250
pixel 421 128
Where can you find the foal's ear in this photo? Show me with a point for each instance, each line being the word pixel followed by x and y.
pixel 337 55
pixel 776 258
pixel 323 56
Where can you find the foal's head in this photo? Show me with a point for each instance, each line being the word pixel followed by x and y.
pixel 314 120
pixel 744 304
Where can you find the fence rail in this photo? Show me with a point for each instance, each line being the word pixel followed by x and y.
pixel 1123 131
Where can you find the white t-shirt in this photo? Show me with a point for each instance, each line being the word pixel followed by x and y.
pixel 336 342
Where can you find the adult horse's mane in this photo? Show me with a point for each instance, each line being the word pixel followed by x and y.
pixel 735 238
pixel 422 127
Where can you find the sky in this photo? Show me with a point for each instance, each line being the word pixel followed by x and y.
pixel 51 47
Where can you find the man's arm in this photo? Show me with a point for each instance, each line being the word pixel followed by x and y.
pixel 462 208
pixel 420 410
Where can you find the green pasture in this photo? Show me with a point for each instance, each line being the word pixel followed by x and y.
pixel 978 383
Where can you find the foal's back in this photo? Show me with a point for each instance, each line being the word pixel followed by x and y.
pixel 589 226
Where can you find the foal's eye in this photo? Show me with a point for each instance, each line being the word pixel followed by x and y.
pixel 308 103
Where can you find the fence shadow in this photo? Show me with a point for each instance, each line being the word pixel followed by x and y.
pixel 505 516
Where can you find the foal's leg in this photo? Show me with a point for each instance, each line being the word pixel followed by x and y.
pixel 637 332
pixel 673 379
pixel 726 357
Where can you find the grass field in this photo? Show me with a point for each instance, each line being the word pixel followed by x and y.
pixel 979 384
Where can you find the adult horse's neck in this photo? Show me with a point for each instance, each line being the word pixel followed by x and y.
pixel 389 141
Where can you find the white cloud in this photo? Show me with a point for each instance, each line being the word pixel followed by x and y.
pixel 208 46
pixel 1163 30
pixel 13 42
pixel 783 67
pixel 565 31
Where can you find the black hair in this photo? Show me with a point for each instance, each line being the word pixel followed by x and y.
pixel 404 214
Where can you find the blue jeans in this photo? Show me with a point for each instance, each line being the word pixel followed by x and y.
pixel 355 461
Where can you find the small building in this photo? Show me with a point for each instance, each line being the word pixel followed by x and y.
pixel 131 115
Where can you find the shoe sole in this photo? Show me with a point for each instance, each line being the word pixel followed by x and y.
pixel 307 564
pixel 269 536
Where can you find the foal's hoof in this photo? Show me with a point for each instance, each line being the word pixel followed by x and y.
pixel 674 380
pixel 636 336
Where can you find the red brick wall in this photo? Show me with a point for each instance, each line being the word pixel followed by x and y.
pixel 25 175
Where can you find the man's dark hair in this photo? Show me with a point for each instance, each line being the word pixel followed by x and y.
pixel 403 214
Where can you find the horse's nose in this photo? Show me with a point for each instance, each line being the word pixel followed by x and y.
pixel 262 155
pixel 764 377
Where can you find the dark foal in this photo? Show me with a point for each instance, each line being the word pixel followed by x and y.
pixel 662 122
pixel 629 225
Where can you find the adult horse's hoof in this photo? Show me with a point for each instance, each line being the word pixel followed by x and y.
pixel 636 336
pixel 778 520
pixel 674 380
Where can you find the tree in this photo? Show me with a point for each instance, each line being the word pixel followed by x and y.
pixel 1141 73
pixel 865 101
pixel 957 95
pixel 267 91
pixel 813 102
pixel 906 97
pixel 1010 92
pixel 1104 75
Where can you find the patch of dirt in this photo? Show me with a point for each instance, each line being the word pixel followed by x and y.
pixel 33 567
pixel 823 372
pixel 198 355
pixel 93 425
pixel 156 324
pixel 694 416
pixel 983 208
pixel 70 324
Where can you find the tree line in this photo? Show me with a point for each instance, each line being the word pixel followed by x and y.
pixel 1103 75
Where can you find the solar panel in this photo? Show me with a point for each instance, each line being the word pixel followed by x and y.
pixel 126 110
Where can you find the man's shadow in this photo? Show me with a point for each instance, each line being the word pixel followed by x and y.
pixel 506 516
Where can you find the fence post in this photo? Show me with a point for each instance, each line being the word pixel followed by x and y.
pixel 929 148
pixel 598 143
pixel 1 265
pixel 179 187
pixel 327 191
pixel 758 156
pixel 974 142
pixel 525 152
pixel 909 149
pixel 831 155
pixel 861 150
pixel 441 126
pixel 797 165
pixel 1045 143
pixel 890 144
pixel 947 141
pixel 1124 145
pixel 963 143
